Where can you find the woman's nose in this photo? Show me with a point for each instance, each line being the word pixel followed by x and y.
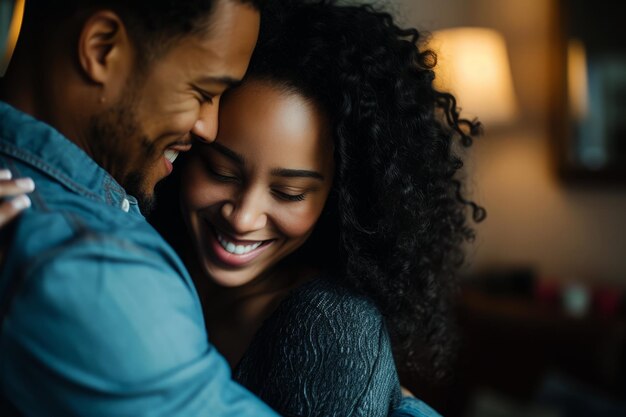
pixel 244 216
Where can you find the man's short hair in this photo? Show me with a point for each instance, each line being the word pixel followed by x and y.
pixel 152 24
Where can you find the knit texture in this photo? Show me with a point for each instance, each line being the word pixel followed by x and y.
pixel 323 352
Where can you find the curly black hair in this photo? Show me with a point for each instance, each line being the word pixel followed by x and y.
pixel 396 219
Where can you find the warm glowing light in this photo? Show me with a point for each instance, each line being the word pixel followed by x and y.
pixel 13 34
pixel 577 81
pixel 472 63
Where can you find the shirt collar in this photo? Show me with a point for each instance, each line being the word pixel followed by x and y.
pixel 44 148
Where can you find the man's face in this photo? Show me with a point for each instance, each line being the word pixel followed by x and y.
pixel 174 100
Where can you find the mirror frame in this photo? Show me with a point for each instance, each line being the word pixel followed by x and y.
pixel 561 129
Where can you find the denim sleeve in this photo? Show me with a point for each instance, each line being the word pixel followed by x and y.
pixel 100 329
pixel 413 407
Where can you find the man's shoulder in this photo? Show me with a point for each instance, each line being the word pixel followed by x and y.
pixel 69 256
pixel 65 253
pixel 92 297
pixel 72 193
pixel 64 233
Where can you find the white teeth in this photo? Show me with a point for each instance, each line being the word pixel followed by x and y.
pixel 171 155
pixel 236 249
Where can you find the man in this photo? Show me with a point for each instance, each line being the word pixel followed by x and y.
pixel 13 198
pixel 98 315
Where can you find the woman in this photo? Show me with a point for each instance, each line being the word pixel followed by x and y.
pixel 325 224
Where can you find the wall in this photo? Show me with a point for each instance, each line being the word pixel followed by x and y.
pixel 564 232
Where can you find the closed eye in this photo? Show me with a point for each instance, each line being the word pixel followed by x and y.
pixel 222 177
pixel 289 197
pixel 205 96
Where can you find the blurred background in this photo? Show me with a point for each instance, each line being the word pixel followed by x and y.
pixel 542 306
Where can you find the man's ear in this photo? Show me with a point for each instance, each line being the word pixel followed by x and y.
pixel 103 47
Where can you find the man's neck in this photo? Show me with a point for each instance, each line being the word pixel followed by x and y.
pixel 42 97
pixel 16 89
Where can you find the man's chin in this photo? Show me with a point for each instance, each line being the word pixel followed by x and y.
pixel 135 186
pixel 146 203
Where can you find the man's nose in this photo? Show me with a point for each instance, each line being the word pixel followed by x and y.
pixel 205 127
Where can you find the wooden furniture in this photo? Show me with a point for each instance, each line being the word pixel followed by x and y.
pixel 509 345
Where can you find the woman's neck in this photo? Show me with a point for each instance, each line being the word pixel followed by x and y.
pixel 234 314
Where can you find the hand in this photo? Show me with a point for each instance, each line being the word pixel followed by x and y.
pixel 406 392
pixel 13 198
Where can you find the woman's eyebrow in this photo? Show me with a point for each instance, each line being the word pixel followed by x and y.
pixel 278 172
pixel 230 154
pixel 297 173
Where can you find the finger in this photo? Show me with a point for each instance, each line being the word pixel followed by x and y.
pixel 406 392
pixel 5 174
pixel 16 187
pixel 10 209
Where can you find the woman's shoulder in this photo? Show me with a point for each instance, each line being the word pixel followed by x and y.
pixel 325 299
pixel 340 321
pixel 324 351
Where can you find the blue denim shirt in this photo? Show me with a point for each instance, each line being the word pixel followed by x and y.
pixel 103 318
pixel 99 316
pixel 414 407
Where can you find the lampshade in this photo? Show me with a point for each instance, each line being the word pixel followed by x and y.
pixel 11 15
pixel 472 63
pixel 577 79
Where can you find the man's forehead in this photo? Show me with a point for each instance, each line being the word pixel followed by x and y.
pixel 221 55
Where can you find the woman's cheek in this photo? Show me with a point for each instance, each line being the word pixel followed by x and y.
pixel 199 190
pixel 300 221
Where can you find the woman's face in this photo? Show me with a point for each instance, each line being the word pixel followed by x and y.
pixel 253 196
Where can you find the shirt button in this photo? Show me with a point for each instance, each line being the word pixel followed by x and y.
pixel 125 205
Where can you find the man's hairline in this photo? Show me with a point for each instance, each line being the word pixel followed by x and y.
pixel 199 31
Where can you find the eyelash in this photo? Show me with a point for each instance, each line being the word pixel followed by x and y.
pixel 205 97
pixel 290 197
pixel 222 178
pixel 278 194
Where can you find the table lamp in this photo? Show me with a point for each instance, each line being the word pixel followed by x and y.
pixel 472 64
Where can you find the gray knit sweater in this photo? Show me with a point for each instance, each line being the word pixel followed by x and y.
pixel 323 352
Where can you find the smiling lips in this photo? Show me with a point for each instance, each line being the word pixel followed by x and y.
pixel 236 249
pixel 171 153
pixel 235 253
